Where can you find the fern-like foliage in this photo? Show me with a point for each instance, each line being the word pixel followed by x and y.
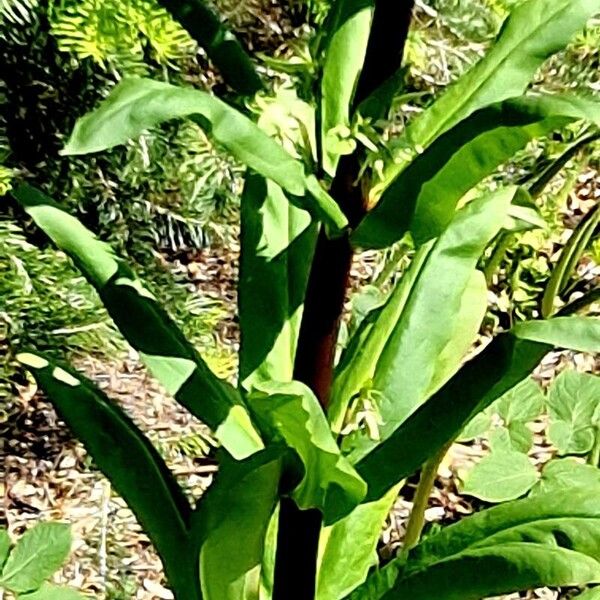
pixel 18 12
pixel 120 34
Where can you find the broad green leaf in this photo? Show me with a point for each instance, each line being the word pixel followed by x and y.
pixel 231 524
pixel 523 403
pixel 136 104
pixel 5 544
pixel 500 476
pixel 347 549
pixel 413 355
pixel 53 592
pixel 503 363
pixel 560 475
pixel 129 460
pixel 348 29
pixel 277 242
pixel 147 327
pixel 569 257
pixel 40 552
pixel 514 546
pixel 573 403
pixel 534 31
pixel 221 46
pixel 359 360
pixel 495 570
pixel 424 196
pixel 521 437
pixel 290 413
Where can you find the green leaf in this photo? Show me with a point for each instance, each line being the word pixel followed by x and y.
pixel 359 360
pixel 347 549
pixel 573 404
pixel 221 46
pixel 161 345
pixel 407 368
pixel 348 28
pixel 534 31
pixel 561 475
pixel 231 524
pixel 423 197
pixel 576 333
pixel 515 546
pixel 40 552
pixel 521 437
pixel 277 242
pixel 569 257
pixel 500 476
pixel 5 544
pixel 128 459
pixel 523 403
pixel 476 427
pixel 468 319
pixel 290 412
pixel 53 592
pixel 136 104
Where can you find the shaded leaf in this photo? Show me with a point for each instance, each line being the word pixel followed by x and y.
pixel 290 412
pixel 423 197
pixel 573 403
pixel 221 46
pixel 129 460
pixel 40 552
pixel 500 476
pixel 231 524
pixel 277 242
pixel 147 327
pixel 136 104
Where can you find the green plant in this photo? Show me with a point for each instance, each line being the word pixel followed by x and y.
pixel 25 567
pixel 572 409
pixel 306 499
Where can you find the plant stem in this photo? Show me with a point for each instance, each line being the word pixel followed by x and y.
pixel 299 531
pixel 503 244
pixel 416 520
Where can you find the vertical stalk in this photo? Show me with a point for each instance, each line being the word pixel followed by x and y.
pixel 416 521
pixel 594 457
pixel 299 531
